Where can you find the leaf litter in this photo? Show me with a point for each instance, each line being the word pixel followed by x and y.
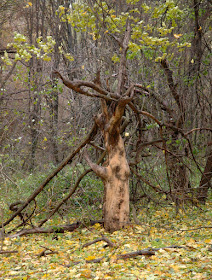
pixel 181 246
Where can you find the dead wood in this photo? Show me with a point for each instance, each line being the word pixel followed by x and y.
pixel 54 229
pixel 98 260
pixel 53 174
pixel 146 252
pixel 71 192
pixel 8 252
pixel 78 84
pixel 46 252
pixel 25 217
pixel 103 238
pixel 190 229
pixel 135 254
pixel 168 247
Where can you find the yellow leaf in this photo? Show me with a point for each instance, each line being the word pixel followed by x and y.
pixel 90 258
pixel 175 267
pixel 97 226
pixel 208 241
pixel 192 61
pixel 70 242
pixel 45 275
pixel 136 273
pixel 83 67
pixel 29 3
pixel 86 273
pixel 177 36
pixel 191 241
pixel 44 139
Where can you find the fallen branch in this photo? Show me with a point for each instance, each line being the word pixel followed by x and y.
pixel 8 252
pixel 194 228
pixel 168 247
pixel 46 253
pixel 147 252
pixel 135 254
pixel 53 174
pixel 71 192
pixel 54 229
pixel 98 260
pixel 103 238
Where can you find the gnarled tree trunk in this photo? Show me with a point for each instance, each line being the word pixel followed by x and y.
pixel 116 200
pixel 115 175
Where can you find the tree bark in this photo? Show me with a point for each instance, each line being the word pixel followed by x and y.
pixel 115 175
pixel 176 170
pixel 116 200
pixel 206 177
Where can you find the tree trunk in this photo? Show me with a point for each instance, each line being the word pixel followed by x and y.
pixel 179 181
pixel 116 196
pixel 116 182
pixel 177 171
pixel 115 175
pixel 206 177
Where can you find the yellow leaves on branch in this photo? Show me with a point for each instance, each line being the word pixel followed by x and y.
pixel 177 36
pixel 29 4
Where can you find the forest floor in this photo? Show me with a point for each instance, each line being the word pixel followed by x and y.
pixel 70 256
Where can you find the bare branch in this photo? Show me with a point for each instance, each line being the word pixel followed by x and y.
pixel 172 85
pixel 196 129
pixel 46 251
pixel 103 238
pixel 8 252
pixel 99 170
pixel 157 98
pixel 76 86
pixel 132 106
pixel 136 253
pixel 8 74
pixel 71 192
pixel 53 174
pixel 147 252
pixel 53 229
pixel 123 60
